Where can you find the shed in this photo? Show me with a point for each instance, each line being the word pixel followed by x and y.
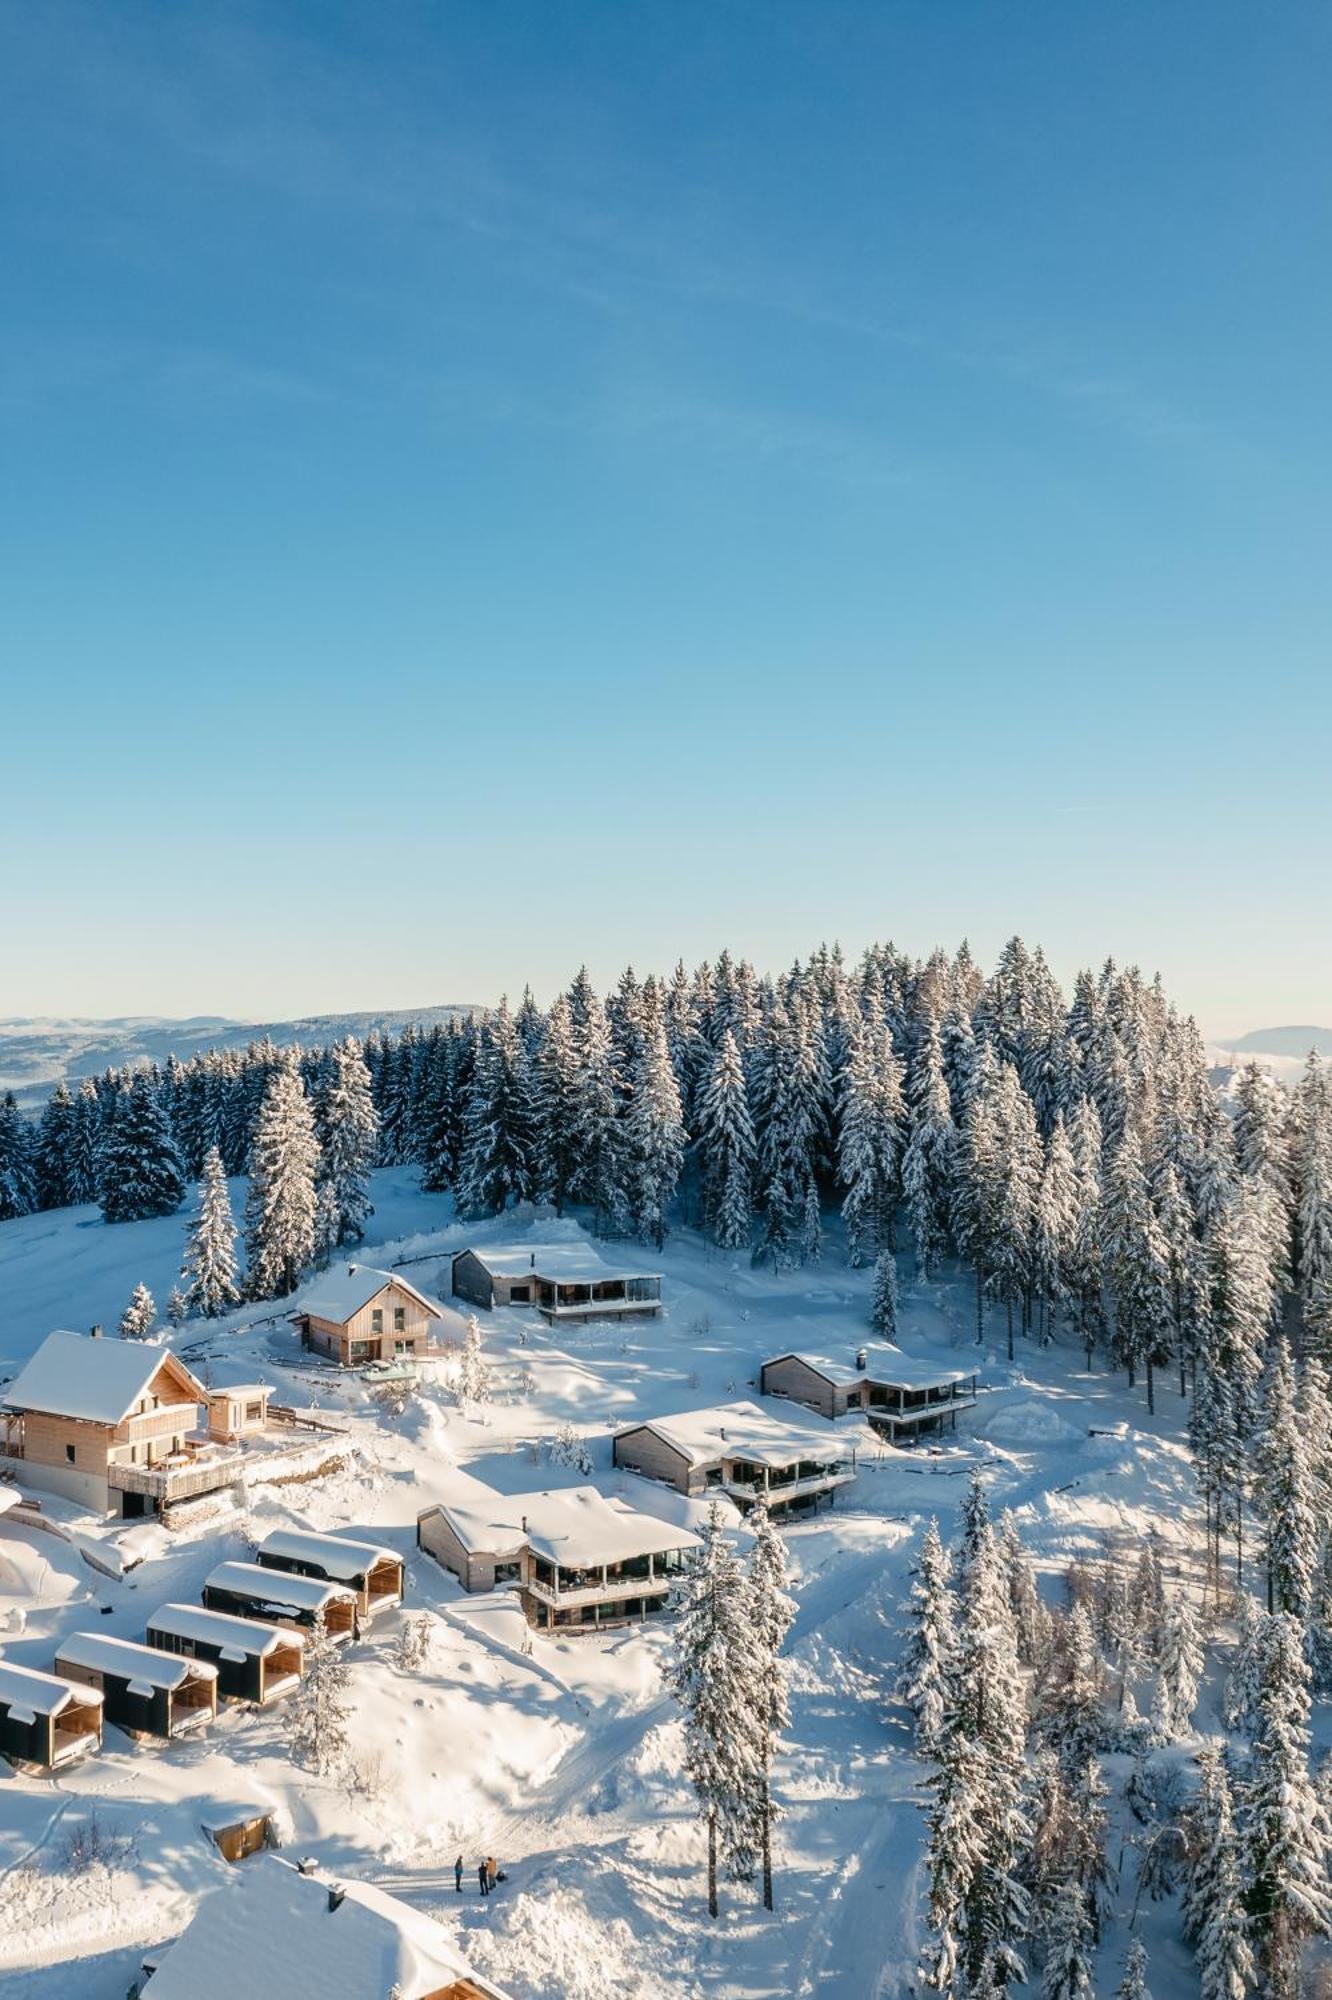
pixel 238 1831
pixel 374 1573
pixel 254 1590
pixel 143 1691
pixel 45 1720
pixel 255 1662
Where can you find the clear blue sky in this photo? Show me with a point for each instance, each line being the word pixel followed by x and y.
pixel 488 485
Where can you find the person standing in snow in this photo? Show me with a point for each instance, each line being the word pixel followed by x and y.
pixel 483 1876
pixel 457 1874
pixel 492 1871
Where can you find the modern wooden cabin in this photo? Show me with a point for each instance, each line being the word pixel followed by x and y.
pixel 578 1560
pixel 256 1590
pixel 903 1398
pixel 255 1662
pixel 353 1314
pixel 144 1692
pixel 114 1426
pixel 743 1451
pixel 46 1722
pixel 374 1574
pixel 561 1281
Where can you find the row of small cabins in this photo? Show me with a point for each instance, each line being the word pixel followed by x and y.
pixel 247 1643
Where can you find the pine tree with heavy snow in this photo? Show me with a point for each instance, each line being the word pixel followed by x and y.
pixel 1084 1269
pixel 85 1166
pixel 141 1174
pixel 554 1074
pixel 929 1164
pixel 473 1373
pixel 1240 1699
pixel 1179 1669
pixel 1031 1621
pixel 712 1677
pixel 978 1181
pixel 499 1130
pixel 1288 1494
pixel 1067 1972
pixel 1137 1264
pixel 925 1670
pixel 869 1142
pixel 1016 1170
pixel 18 1176
pixel 1054 1226
pixel 280 1211
pixel 1313 1159
pixel 655 1136
pixel 1287 1836
pixel 1133 1986
pixel 1070 1708
pixel 209 1269
pixel 599 1174
pixel 349 1140
pixel 771 1612
pixel 319 1709
pixel 725 1148
pixel 1215 1921
pixel 883 1303
pixel 54 1159
pixel 139 1318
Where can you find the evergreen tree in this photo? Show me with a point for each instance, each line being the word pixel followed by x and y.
pixel 280 1209
pixel 1287 1836
pixel 712 1678
pixel 500 1124
pixel 1133 1986
pixel 1136 1255
pixel 726 1151
pixel 55 1151
pixel 319 1709
pixel 1240 1704
pixel 349 1140
pixel 473 1374
pixel 771 1611
pixel 555 1084
pixel 930 1162
pixel 142 1173
pixel 924 1675
pixel 1054 1225
pixel 1067 1973
pixel 869 1142
pixel 18 1177
pixel 140 1316
pixel 209 1269
pixel 1288 1493
pixel 655 1136
pixel 883 1308
pixel 599 1173
pixel 1215 1922
pixel 85 1164
pixel 1179 1670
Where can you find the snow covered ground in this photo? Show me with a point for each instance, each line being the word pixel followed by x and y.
pixel 560 1757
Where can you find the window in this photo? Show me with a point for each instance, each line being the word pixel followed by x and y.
pixel 399 1319
pixel 69 1453
pixel 377 1321
pixel 254 1413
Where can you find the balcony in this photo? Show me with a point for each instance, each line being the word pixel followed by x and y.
pixel 168 1420
pixel 779 1489
pixel 650 1578
pixel 175 1479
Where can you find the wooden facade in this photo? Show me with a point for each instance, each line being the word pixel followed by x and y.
pixel 255 1662
pixel 92 1462
pixel 375 1576
pixel 46 1721
pixel 137 1694
pixel 281 1597
pixel 900 1403
pixel 394 1322
pixel 555 1289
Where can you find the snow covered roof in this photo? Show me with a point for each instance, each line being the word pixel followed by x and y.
pixel 574 1528
pixel 243 1637
pixel 99 1653
pixel 98 1381
pixel 341 1291
pixel 569 1263
pixel 348 1562
pixel 271 1929
pixel 744 1430
pixel 275 1586
pixel 9 1497
pixel 25 1690
pixel 884 1364
pixel 241 1389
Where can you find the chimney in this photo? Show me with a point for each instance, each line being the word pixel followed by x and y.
pixel 722 1433
pixel 531 1262
pixel 95 1332
pixel 336 1897
pixel 351 1270
pixel 861 1360
pixel 307 1865
pixel 524 1524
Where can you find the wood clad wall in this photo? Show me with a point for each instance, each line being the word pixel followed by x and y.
pixel 792 1378
pixel 643 1451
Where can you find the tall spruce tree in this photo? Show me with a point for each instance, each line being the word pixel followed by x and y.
pixel 1287 1837
pixel 280 1210
pixel 142 1173
pixel 349 1140
pixel 771 1612
pixel 209 1269
pixel 725 1147
pixel 654 1135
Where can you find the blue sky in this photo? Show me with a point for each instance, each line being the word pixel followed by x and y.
pixel 486 486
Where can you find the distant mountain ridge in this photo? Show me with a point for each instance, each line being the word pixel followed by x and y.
pixel 1281 1042
pixel 36 1052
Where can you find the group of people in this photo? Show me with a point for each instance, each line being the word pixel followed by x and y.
pixel 487 1874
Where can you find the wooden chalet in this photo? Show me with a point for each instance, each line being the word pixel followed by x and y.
pixel 114 1426
pixel 45 1721
pixel 275 1929
pixel 374 1574
pixel 255 1590
pixel 578 1560
pixel 904 1398
pixel 562 1281
pixel 353 1314
pixel 144 1692
pixel 743 1451
pixel 255 1662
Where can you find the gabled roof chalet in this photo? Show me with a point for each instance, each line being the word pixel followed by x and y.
pixel 342 1291
pixel 96 1381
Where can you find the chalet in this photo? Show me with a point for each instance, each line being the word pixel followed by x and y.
pixel 250 1590
pixel 743 1451
pixel 113 1425
pixel 146 1693
pixel 563 1281
pixel 255 1662
pixel 374 1574
pixel 903 1398
pixel 46 1721
pixel 579 1561
pixel 276 1929
pixel 353 1314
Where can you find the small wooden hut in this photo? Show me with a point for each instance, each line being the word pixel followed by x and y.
pixel 375 1574
pixel 144 1692
pixel 251 1590
pixel 46 1721
pixel 255 1662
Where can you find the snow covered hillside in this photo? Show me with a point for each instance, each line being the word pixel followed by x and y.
pixel 563 1757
